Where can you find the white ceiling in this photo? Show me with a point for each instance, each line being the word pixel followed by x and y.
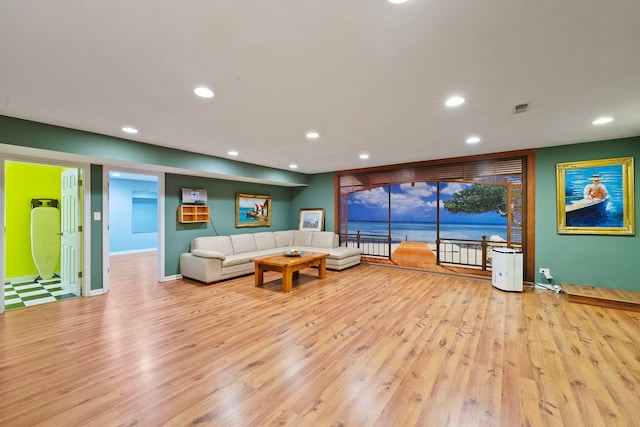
pixel 369 76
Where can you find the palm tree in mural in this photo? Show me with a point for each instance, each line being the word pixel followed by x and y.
pixel 481 198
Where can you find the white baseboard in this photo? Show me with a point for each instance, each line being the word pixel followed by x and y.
pixel 96 292
pixel 29 278
pixel 170 278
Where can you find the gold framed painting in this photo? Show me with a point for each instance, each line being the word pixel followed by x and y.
pixel 253 210
pixel 596 197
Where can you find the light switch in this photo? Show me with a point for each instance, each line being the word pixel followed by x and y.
pixel 97 216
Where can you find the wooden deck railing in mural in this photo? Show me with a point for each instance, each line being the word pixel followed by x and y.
pixel 377 245
pixel 462 252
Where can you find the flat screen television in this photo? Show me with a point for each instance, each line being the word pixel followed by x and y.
pixel 191 196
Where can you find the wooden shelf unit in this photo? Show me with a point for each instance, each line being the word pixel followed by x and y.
pixel 193 213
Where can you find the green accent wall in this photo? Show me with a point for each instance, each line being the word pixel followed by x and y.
pixel 47 137
pixel 319 194
pixel 23 182
pixel 606 261
pixel 221 198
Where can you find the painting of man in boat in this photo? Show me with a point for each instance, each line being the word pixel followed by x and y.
pixel 595 206
pixel 594 197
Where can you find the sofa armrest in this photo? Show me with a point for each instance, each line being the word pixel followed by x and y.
pixel 202 253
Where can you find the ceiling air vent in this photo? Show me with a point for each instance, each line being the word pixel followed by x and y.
pixel 521 108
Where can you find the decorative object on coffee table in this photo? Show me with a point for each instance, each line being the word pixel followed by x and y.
pixel 293 252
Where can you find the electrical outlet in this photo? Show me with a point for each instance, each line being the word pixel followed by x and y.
pixel 543 270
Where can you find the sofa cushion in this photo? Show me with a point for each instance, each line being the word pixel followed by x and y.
pixel 208 254
pixel 342 263
pixel 213 243
pixel 302 238
pixel 283 238
pixel 243 243
pixel 241 258
pixel 344 252
pixel 264 240
pixel 322 239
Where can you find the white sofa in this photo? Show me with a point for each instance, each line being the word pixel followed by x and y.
pixel 214 258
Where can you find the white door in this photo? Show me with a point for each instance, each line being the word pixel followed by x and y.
pixel 71 233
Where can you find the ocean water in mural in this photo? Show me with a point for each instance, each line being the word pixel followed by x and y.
pixel 413 209
pixel 426 232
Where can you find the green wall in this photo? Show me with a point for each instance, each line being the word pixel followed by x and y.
pixel 47 137
pixel 23 182
pixel 607 261
pixel 319 194
pixel 221 198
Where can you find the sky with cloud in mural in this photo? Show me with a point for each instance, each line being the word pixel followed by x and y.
pixel 415 203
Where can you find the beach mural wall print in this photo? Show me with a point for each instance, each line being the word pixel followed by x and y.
pixel 456 211
pixel 410 211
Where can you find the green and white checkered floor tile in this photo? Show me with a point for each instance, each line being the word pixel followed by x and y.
pixel 25 294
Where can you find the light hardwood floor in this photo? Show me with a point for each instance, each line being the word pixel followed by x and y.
pixel 368 346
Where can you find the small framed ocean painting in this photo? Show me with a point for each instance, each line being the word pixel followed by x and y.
pixel 311 219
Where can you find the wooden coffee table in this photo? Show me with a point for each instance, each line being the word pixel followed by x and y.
pixel 289 266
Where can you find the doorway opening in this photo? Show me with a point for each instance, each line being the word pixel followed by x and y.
pixel 132 226
pixel 42 233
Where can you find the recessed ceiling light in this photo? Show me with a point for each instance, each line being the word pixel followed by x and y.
pixel 473 140
pixel 232 153
pixel 116 174
pixel 602 120
pixel 293 166
pixel 203 92
pixel 313 135
pixel 364 156
pixel 129 129
pixel 397 1
pixel 454 101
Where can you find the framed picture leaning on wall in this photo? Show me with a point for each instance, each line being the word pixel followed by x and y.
pixel 311 219
pixel 596 197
